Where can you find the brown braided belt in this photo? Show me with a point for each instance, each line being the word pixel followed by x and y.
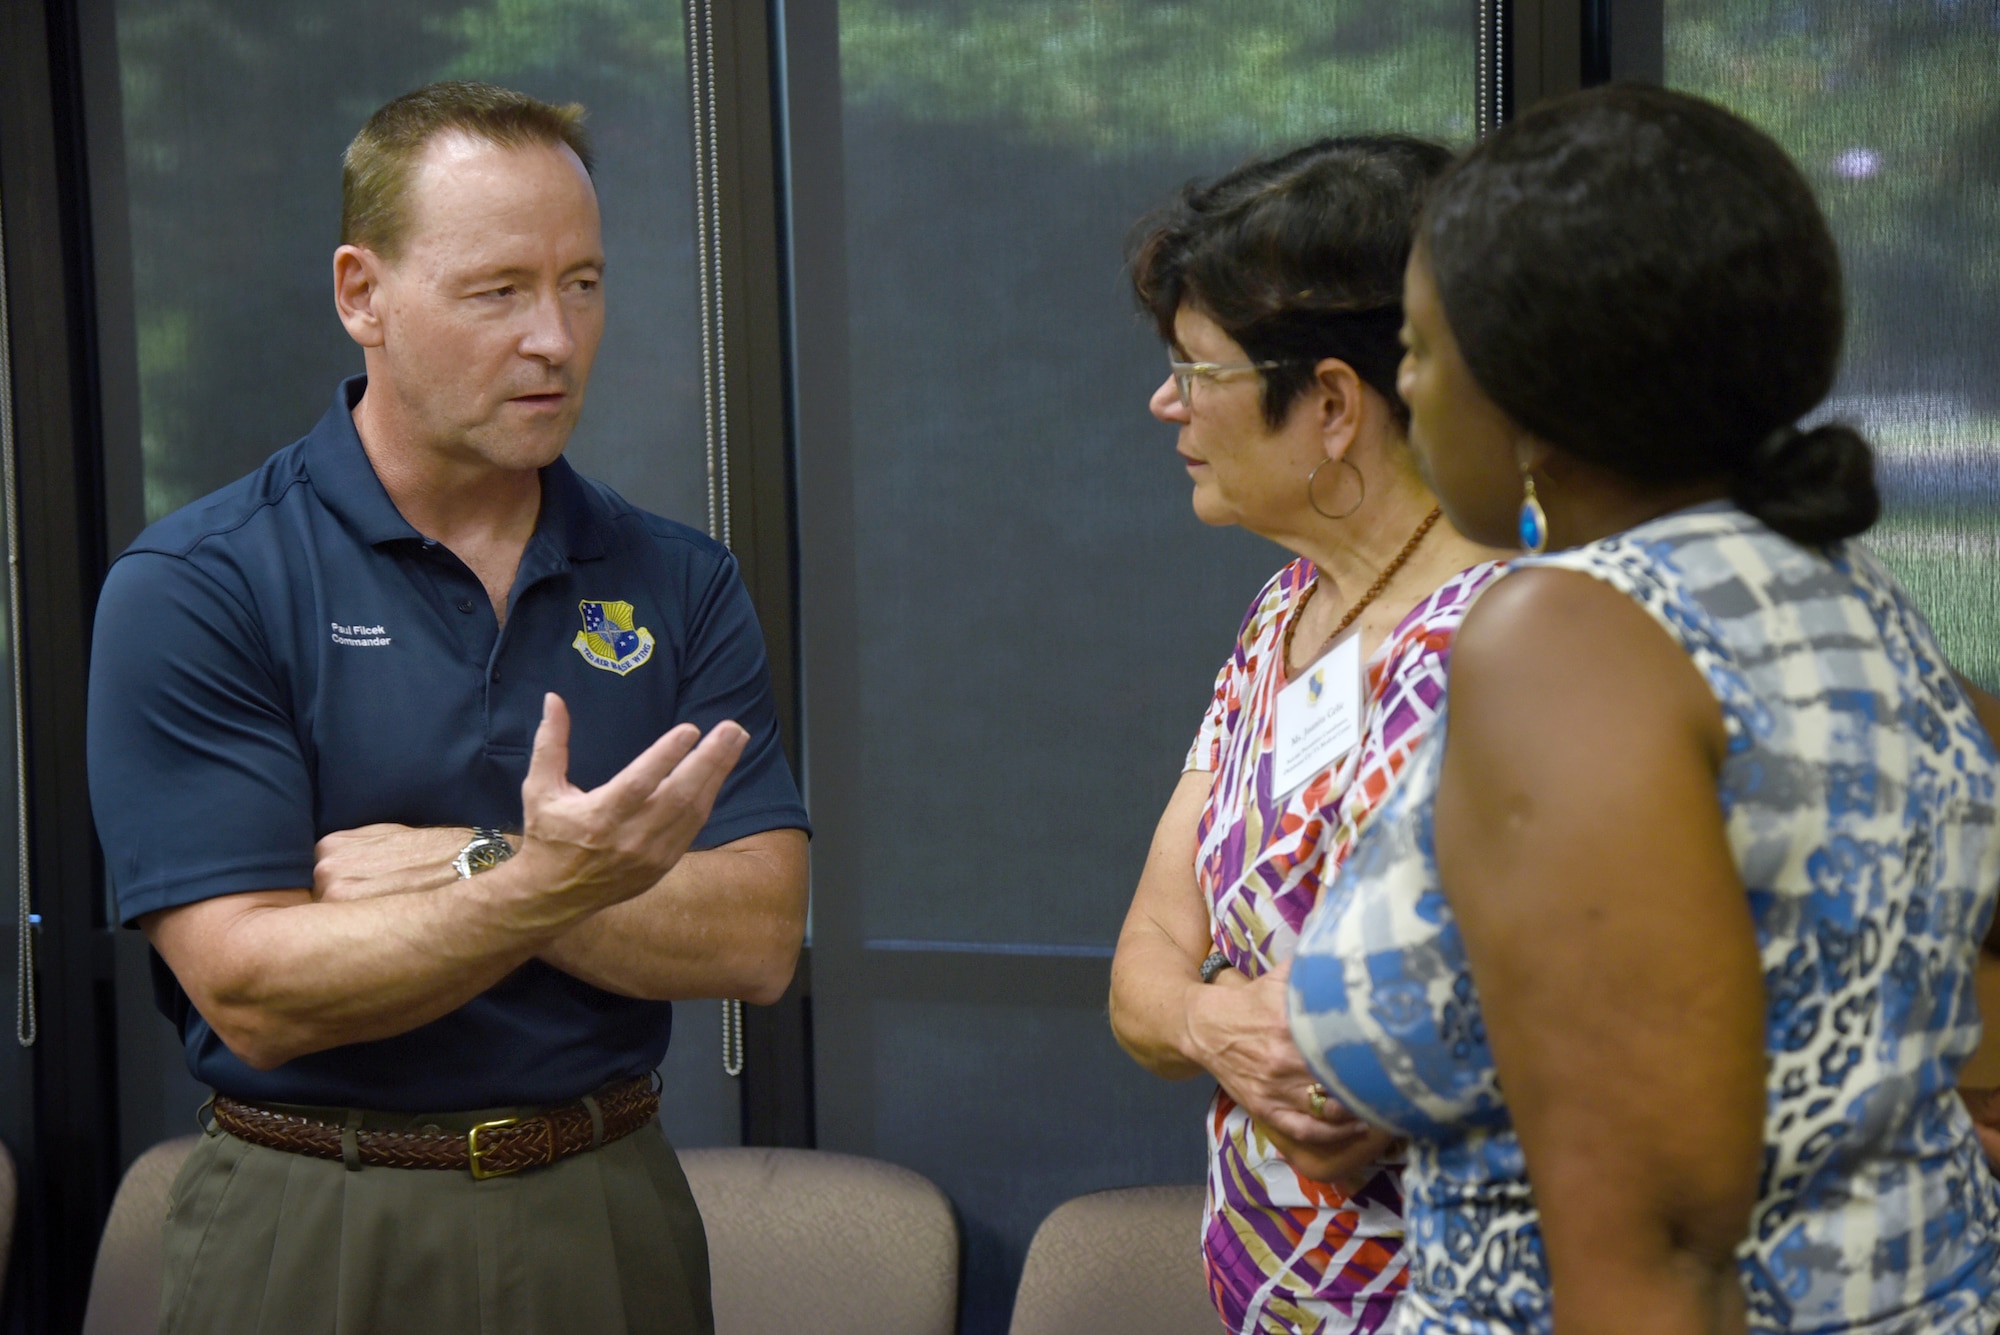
pixel 490 1149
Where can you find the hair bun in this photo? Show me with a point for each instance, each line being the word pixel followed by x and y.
pixel 1812 486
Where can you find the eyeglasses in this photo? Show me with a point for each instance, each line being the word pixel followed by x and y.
pixel 1186 373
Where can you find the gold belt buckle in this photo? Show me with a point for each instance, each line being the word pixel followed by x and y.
pixel 473 1151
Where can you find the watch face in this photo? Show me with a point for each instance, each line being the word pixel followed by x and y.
pixel 486 851
pixel 485 857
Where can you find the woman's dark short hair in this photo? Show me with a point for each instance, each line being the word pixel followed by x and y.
pixel 1645 281
pixel 1297 257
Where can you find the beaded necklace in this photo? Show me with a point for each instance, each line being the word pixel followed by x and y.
pixel 1361 605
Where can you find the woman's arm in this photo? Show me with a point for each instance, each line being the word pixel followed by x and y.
pixel 1166 936
pixel 1581 845
pixel 1176 1026
pixel 1979 1082
pixel 1987 707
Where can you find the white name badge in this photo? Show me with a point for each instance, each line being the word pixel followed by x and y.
pixel 1319 716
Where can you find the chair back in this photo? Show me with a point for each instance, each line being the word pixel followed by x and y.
pixel 805 1240
pixel 797 1240
pixel 125 1282
pixel 1122 1262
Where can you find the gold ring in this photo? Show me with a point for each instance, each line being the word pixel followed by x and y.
pixel 1316 1098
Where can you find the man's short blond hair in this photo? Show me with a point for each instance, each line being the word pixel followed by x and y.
pixel 376 170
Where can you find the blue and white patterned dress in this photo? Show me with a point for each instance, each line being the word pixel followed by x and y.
pixel 1859 799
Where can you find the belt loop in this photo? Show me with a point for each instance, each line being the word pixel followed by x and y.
pixel 350 1144
pixel 201 1116
pixel 596 1121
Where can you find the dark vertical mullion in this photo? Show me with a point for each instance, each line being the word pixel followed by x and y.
pixel 74 1169
pixel 829 618
pixel 1546 49
pixel 759 497
pixel 1559 46
pixel 1624 39
pixel 116 345
pixel 1594 42
pixel 777 1065
pixel 1637 39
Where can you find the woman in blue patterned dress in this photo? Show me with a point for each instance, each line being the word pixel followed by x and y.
pixel 1698 864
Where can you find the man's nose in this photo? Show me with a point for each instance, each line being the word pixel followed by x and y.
pixel 1166 403
pixel 548 336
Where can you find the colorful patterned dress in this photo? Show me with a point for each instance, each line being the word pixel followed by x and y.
pixel 1284 1254
pixel 1858 796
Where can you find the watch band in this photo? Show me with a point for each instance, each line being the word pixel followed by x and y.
pixel 488 849
pixel 1213 965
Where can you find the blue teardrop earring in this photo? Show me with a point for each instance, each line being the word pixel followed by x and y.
pixel 1534 526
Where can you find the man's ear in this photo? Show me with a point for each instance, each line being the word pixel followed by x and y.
pixel 1338 402
pixel 357 294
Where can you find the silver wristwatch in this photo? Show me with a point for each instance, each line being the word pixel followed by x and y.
pixel 488 849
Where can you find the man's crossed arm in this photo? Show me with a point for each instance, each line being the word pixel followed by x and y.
pixel 725 922
pixel 603 886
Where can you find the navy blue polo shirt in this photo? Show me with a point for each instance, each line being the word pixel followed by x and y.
pixel 288 657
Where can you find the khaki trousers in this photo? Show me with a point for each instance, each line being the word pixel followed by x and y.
pixel 262 1242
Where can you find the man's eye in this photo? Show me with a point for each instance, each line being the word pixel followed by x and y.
pixel 504 290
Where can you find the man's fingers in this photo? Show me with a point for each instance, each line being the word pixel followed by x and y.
pixel 636 782
pixel 548 765
pixel 697 779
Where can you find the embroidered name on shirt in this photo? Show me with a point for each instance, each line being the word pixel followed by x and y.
pixel 609 640
pixel 360 637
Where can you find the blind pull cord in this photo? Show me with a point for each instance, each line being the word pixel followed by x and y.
pixel 714 349
pixel 1491 73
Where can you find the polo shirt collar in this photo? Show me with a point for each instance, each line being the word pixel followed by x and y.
pixel 570 518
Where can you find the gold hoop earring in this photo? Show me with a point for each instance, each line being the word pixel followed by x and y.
pixel 1360 486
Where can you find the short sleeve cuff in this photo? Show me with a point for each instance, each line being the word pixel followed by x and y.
pixel 742 824
pixel 151 895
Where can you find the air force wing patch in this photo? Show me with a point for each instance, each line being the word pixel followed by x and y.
pixel 608 639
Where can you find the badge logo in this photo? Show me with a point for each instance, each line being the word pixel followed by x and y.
pixel 608 639
pixel 1315 686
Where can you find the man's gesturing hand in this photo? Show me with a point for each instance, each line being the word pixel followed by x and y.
pixel 583 850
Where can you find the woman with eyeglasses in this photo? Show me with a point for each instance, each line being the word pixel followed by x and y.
pixel 1277 289
pixel 1662 954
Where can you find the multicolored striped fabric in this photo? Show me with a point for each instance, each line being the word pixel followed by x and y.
pixel 1284 1254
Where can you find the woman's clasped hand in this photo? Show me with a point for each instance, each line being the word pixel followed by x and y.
pixel 1237 1030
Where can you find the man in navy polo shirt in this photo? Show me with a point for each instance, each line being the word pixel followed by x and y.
pixel 433 772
